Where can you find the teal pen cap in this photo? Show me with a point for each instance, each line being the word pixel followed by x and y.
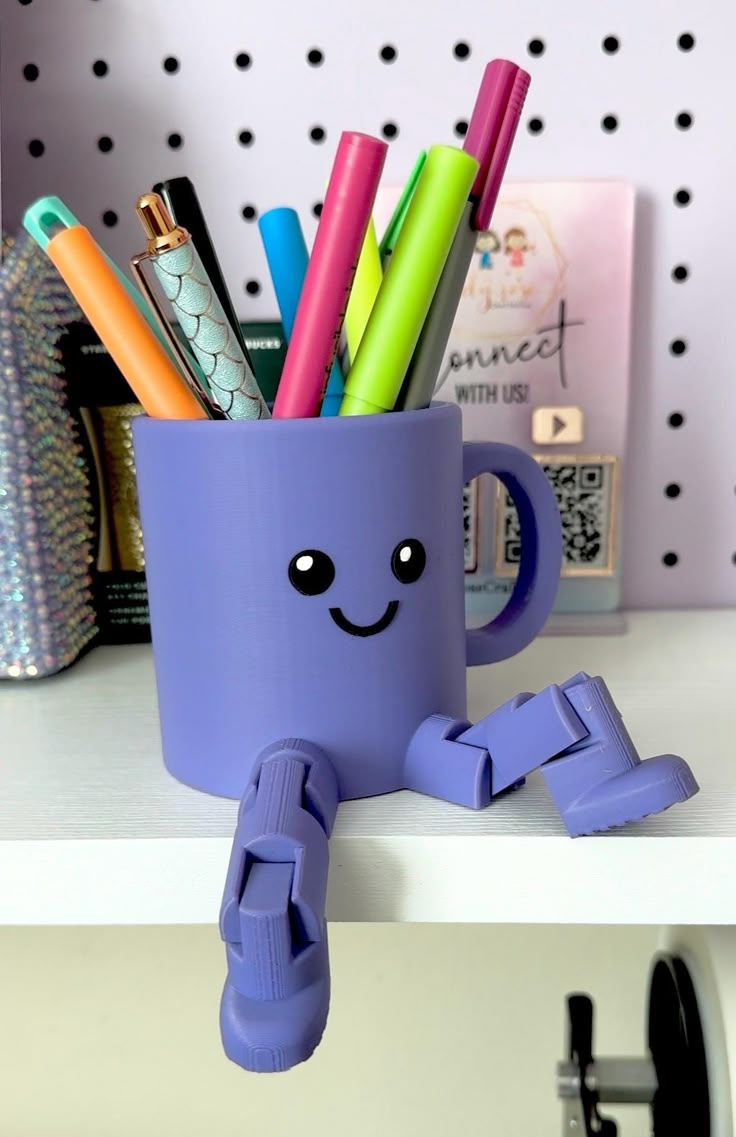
pixel 49 214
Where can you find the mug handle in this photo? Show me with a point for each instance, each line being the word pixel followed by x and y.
pixel 536 585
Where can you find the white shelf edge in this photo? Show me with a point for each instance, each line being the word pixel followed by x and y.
pixel 657 880
pixel 98 833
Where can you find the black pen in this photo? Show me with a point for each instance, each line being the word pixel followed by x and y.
pixel 183 204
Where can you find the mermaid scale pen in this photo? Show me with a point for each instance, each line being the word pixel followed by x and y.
pixel 231 384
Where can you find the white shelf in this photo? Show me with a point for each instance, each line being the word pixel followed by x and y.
pixel 94 831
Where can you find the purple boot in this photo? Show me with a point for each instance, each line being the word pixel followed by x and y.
pixel 600 782
pixel 575 735
pixel 275 1001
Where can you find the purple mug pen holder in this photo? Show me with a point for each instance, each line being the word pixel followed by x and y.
pixel 306 593
pixel 280 603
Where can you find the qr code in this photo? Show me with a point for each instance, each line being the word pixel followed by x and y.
pixel 585 488
pixel 470 525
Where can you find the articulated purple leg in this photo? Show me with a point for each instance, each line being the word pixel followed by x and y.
pixel 275 1001
pixel 574 733
pixel 593 771
pixel 438 765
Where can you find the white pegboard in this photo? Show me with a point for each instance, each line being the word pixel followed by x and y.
pixel 279 97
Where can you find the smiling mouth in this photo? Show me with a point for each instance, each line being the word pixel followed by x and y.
pixel 352 629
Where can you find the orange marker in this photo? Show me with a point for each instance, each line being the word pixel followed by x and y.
pixel 154 379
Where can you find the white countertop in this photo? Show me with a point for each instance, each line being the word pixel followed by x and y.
pixel 94 831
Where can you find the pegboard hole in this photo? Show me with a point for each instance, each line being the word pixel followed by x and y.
pixel 25 3
pixel 388 53
pixel 611 45
pixel 680 273
pixel 318 134
pixel 673 490
pixel 249 213
pixel 670 559
pixel 317 209
pixel 105 144
pixel 389 130
pixel 684 120
pixel 535 125
pixel 686 42
pixel 31 72
pixel 609 123
pixel 461 50
pixel 100 68
pixel 170 65
pixel 676 420
pixel 36 147
pixel 461 128
pixel 678 347
pixel 246 138
pixel 175 141
pixel 315 57
pixel 733 558
pixel 110 218
pixel 536 47
pixel 683 197
pixel 252 287
pixel 243 61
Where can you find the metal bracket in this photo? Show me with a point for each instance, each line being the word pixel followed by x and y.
pixel 672 1081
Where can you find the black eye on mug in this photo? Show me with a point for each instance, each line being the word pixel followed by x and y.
pixel 311 572
pixel 408 560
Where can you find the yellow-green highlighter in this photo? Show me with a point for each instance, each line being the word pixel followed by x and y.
pixel 411 277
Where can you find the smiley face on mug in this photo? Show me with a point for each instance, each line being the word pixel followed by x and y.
pixel 312 572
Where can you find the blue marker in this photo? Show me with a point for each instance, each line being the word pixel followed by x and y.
pixel 287 256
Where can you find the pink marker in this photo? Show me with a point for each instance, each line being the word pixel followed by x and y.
pixel 499 133
pixel 315 337
pixel 489 139
pixel 481 137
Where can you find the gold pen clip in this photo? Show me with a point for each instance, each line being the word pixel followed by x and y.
pixel 163 235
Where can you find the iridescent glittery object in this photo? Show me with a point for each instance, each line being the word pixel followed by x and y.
pixel 47 521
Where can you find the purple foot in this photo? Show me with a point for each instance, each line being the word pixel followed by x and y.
pixel 276 997
pixel 650 787
pixel 601 783
pixel 269 1036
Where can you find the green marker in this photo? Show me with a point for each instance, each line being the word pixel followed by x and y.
pixel 390 237
pixel 413 273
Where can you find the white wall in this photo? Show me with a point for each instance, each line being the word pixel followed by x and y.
pixel 208 102
pixel 434 1030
